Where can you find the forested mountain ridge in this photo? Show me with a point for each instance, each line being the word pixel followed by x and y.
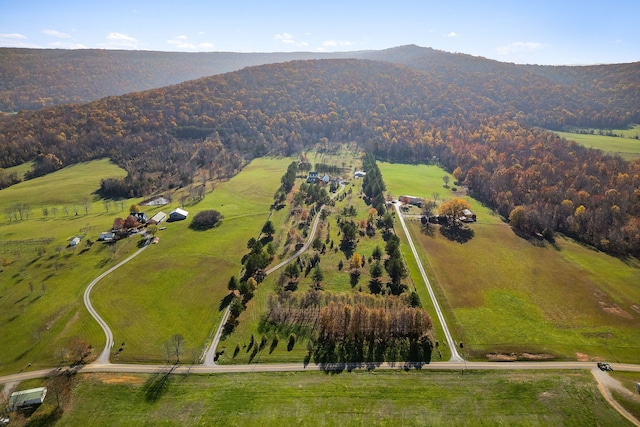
pixel 605 96
pixel 36 78
pixel 217 123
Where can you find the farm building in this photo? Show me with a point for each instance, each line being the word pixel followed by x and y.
pixel 359 174
pixel 106 236
pixel 468 216
pixel 178 215
pixel 158 218
pixel 74 241
pixel 141 217
pixel 411 200
pixel 313 177
pixel 27 398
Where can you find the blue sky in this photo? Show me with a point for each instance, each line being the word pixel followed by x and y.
pixel 541 32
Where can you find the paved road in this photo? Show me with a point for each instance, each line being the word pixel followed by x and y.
pixel 300 367
pixel 104 356
pixel 455 357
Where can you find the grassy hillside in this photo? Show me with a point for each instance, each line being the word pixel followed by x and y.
pixel 176 286
pixel 20 169
pixel 358 398
pixel 626 145
pixel 41 278
pixel 504 294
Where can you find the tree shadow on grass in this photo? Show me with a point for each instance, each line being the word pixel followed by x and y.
pixel 457 233
pixel 428 230
pixel 157 385
pixel 50 419
pixel 224 303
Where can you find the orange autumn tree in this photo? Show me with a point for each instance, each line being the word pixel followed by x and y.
pixel 453 208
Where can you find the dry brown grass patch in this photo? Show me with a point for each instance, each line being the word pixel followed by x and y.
pixel 119 379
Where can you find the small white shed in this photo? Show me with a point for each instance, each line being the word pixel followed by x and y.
pixel 26 398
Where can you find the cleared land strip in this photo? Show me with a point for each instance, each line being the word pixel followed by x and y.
pixel 209 355
pixel 455 357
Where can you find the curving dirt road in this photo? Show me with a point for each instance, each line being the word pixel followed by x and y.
pixel 104 356
pixel 606 384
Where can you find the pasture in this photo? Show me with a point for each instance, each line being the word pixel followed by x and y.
pixel 19 169
pixel 505 295
pixel 626 146
pixel 356 398
pixel 41 278
pixel 177 286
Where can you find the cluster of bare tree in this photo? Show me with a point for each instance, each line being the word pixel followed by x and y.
pixel 349 316
pixel 18 211
pixel 339 321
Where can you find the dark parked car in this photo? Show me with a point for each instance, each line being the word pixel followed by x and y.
pixel 604 366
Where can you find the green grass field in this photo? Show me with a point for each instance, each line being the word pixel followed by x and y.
pixel 41 308
pixel 314 398
pixel 176 286
pixel 20 169
pixel 500 293
pixel 626 146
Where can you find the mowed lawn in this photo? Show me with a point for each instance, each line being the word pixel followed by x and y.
pixel 176 286
pixel 360 398
pixel 503 294
pixel 41 309
pixel 626 147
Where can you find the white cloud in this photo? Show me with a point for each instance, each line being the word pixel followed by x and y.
pixel 16 40
pixel 13 36
pixel 55 33
pixel 331 45
pixel 287 38
pixel 120 41
pixel 452 35
pixel 65 45
pixel 335 43
pixel 182 44
pixel 519 47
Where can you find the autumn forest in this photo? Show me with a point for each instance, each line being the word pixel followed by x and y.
pixel 482 120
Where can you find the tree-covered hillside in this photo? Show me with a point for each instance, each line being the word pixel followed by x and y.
pixel 37 78
pixel 478 128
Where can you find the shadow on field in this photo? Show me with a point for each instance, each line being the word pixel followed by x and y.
pixel 350 354
pixel 457 233
pixel 50 419
pixel 224 302
pixel 157 385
